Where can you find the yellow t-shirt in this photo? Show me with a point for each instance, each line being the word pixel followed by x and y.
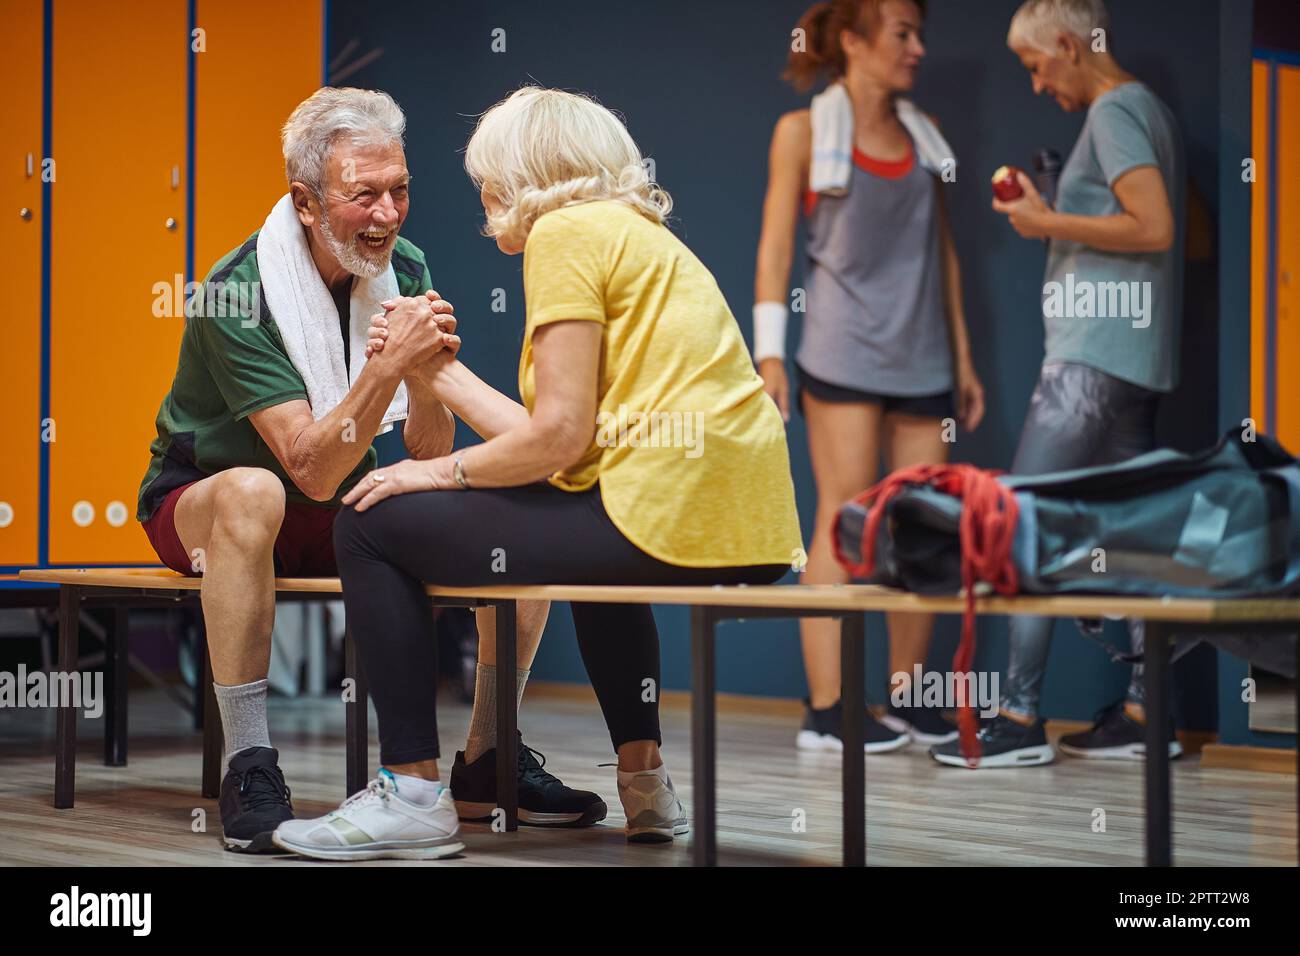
pixel 689 452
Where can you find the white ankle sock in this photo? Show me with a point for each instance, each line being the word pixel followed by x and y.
pixel 417 790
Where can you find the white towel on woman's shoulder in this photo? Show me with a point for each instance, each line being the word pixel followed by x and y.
pixel 831 117
pixel 305 314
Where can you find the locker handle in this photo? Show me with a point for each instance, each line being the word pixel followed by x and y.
pixel 25 214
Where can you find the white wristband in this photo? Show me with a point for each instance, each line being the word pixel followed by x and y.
pixel 769 330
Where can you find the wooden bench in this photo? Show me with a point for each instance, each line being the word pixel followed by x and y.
pixel 708 606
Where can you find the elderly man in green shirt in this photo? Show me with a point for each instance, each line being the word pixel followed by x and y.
pixel 269 419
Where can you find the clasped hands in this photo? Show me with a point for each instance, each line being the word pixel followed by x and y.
pixel 416 334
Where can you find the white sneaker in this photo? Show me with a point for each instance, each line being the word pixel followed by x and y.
pixel 654 814
pixel 377 824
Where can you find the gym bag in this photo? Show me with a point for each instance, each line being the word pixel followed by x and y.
pixel 1221 523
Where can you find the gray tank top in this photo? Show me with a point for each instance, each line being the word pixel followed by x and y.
pixel 875 319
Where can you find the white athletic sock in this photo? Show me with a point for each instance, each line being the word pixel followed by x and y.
pixel 483 720
pixel 417 790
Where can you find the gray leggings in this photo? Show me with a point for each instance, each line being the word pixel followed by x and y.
pixel 1078 417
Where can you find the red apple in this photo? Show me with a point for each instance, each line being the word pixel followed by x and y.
pixel 1005 184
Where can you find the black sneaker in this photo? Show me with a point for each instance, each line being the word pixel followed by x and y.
pixel 821 732
pixel 254 801
pixel 925 725
pixel 1114 735
pixel 1003 743
pixel 543 800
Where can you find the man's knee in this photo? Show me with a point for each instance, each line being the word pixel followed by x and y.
pixel 249 506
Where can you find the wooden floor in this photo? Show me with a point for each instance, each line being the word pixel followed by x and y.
pixel 919 813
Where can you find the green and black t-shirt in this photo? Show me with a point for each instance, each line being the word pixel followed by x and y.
pixel 233 363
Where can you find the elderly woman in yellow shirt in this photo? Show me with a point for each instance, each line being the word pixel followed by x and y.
pixel 645 452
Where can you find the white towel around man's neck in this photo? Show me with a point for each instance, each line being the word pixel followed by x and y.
pixel 308 320
pixel 832 140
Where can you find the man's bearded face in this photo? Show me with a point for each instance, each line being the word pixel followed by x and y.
pixel 367 196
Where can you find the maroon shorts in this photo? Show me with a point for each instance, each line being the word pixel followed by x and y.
pixel 303 548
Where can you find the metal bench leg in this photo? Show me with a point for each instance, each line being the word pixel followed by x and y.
pixel 704 844
pixel 507 718
pixel 853 701
pixel 116 667
pixel 200 655
pixel 214 742
pixel 1159 817
pixel 65 746
pixel 357 732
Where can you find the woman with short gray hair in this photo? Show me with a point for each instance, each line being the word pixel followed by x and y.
pixel 1116 227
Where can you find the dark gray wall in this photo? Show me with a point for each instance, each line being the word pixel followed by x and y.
pixel 698 85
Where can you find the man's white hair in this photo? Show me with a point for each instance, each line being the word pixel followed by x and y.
pixel 366 117
pixel 1038 22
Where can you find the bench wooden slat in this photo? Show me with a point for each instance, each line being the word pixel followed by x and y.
pixel 812 597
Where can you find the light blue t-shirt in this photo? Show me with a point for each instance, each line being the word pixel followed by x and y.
pixel 1118 312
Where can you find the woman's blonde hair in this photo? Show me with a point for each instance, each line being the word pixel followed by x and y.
pixel 539 150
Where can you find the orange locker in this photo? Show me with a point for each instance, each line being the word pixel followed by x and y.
pixel 117 230
pixel 21 221
pixel 1275 252
pixel 1259 228
pixel 1287 280
pixel 119 182
pixel 247 82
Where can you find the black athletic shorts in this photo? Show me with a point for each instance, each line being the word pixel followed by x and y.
pixel 922 406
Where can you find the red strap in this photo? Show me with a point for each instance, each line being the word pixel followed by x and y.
pixel 987 528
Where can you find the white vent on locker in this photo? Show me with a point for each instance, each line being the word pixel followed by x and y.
pixel 115 514
pixel 83 513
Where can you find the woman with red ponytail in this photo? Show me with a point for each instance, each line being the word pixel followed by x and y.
pixel 883 367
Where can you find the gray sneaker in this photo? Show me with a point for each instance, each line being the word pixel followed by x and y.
pixel 654 814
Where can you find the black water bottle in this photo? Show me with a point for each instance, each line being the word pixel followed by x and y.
pixel 1047 173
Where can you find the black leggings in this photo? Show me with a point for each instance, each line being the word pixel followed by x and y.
pixel 535 534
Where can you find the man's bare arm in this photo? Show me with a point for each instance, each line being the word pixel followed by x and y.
pixel 318 455
pixel 430 430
